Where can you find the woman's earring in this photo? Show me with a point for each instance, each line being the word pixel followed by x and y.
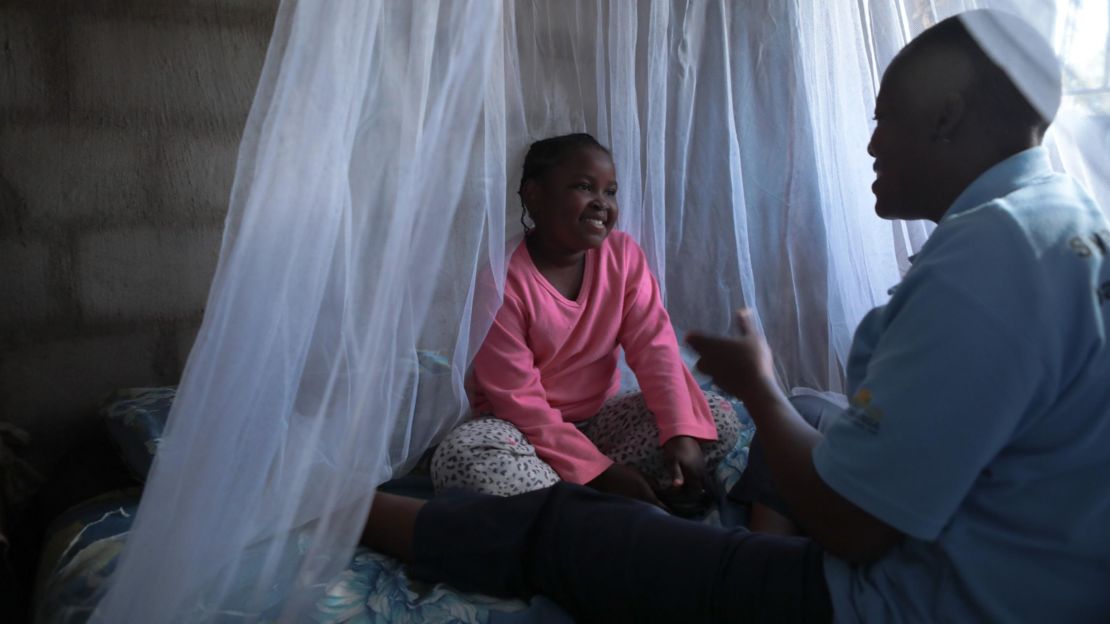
pixel 524 213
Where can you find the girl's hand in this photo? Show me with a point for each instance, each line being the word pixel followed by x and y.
pixel 625 481
pixel 743 365
pixel 686 463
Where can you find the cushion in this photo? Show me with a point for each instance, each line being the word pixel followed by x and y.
pixel 135 418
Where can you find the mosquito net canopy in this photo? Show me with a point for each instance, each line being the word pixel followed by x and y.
pixel 374 206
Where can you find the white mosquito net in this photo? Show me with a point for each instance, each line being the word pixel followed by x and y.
pixel 365 247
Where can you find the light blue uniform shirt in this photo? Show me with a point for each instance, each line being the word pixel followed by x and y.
pixel 979 422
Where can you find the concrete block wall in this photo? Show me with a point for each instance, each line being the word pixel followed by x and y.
pixel 119 130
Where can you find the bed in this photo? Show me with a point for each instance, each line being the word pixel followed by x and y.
pixel 83 543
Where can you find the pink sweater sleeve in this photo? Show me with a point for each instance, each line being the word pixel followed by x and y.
pixel 651 349
pixel 505 371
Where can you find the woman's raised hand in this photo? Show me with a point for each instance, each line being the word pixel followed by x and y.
pixel 742 365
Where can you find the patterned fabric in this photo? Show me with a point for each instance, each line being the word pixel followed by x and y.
pixel 732 466
pixel 83 544
pixel 375 588
pixel 79 554
pixel 625 431
pixel 491 456
pixel 135 418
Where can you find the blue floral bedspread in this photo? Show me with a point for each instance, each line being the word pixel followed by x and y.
pixel 85 542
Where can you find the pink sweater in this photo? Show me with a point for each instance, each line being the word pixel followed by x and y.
pixel 549 362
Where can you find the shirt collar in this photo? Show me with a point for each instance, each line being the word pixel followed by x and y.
pixel 1002 179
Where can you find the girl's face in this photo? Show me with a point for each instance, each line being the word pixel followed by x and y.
pixel 574 204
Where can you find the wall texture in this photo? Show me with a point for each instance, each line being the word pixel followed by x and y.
pixel 119 127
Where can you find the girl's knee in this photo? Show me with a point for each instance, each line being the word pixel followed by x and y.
pixel 490 456
pixel 724 418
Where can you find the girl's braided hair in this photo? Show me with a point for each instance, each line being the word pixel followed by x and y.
pixel 542 155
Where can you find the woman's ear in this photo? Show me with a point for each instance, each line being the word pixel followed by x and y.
pixel 951 114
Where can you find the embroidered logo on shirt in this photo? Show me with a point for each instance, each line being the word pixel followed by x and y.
pixel 862 413
pixel 1097 241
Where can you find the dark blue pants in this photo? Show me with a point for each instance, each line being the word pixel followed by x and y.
pixel 610 559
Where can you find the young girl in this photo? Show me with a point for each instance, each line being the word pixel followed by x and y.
pixel 544 380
